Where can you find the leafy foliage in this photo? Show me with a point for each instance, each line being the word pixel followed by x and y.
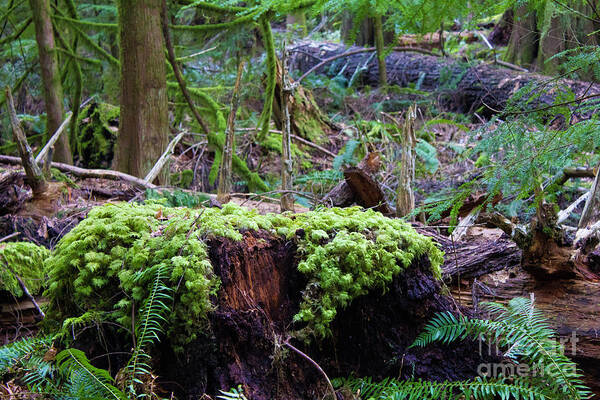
pixel 522 330
pixel 84 380
pixel 25 260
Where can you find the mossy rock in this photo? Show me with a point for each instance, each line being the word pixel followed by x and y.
pixel 108 263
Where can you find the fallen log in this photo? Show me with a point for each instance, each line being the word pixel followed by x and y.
pixel 89 173
pixel 470 87
pixel 570 305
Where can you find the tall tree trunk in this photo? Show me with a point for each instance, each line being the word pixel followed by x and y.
pixel 537 36
pixel 380 46
pixel 53 93
pixel 364 34
pixel 143 126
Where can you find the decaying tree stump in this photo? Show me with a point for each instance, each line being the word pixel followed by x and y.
pixel 260 294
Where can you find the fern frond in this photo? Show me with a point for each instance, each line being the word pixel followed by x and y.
pixel 150 325
pixel 477 389
pixel 16 352
pixel 85 380
pixel 520 328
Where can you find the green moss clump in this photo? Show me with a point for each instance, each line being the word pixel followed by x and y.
pixel 25 260
pixel 344 253
pixel 97 135
pixel 182 179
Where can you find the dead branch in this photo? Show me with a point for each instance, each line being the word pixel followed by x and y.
pixel 35 178
pixel 224 188
pixel 163 159
pixel 46 150
pixel 88 173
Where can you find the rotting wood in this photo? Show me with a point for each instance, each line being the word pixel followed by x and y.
pixel 405 200
pixel 477 85
pixel 35 178
pixel 341 195
pixel 592 204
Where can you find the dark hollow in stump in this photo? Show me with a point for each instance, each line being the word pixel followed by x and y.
pixel 469 87
pixel 261 292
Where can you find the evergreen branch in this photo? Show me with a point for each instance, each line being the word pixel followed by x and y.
pixel 265 117
pixel 217 27
pixel 87 23
pixel 18 32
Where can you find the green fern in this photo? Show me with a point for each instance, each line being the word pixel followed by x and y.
pixel 233 394
pixel 150 325
pixel 14 353
pixel 520 328
pixel 477 389
pixel 84 380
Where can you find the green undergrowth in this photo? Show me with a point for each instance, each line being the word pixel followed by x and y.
pixel 100 265
pixel 25 260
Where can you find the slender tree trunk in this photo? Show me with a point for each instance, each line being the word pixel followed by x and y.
pixel 380 46
pixel 143 125
pixel 287 168
pixel 537 36
pixel 53 93
pixel 224 188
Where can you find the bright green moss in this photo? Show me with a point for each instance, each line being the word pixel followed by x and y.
pixel 343 252
pixel 25 260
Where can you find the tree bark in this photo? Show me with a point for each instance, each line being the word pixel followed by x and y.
pixel 468 87
pixel 537 36
pixel 53 93
pixel 143 125
pixel 380 46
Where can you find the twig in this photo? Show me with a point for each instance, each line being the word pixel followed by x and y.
pixel 163 159
pixel 314 363
pixel 12 235
pixel 313 145
pixel 25 290
pixel 297 138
